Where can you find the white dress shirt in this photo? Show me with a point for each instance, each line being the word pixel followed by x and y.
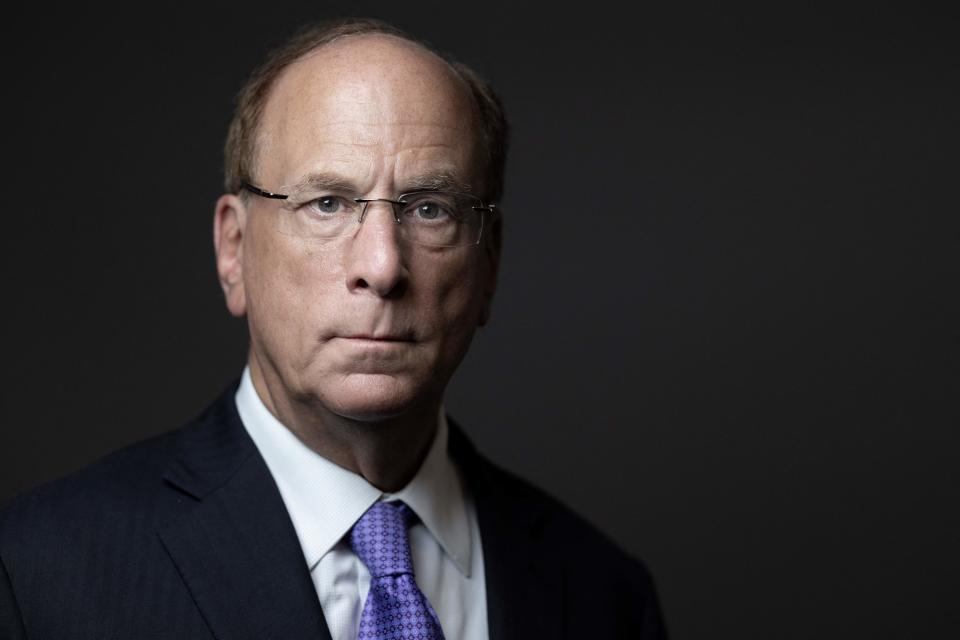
pixel 325 500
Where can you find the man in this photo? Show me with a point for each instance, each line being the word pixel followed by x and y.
pixel 327 495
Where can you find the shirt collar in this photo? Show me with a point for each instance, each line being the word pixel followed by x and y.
pixel 325 500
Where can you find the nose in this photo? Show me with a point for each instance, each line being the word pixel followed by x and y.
pixel 375 259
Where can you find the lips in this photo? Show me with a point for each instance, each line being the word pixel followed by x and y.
pixel 378 338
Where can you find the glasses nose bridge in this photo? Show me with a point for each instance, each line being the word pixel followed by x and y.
pixel 367 202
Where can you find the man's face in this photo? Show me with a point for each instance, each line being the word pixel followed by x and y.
pixel 369 325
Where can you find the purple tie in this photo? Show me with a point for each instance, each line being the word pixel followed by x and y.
pixel 395 608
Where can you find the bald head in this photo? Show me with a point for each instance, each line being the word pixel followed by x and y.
pixel 362 92
pixel 349 53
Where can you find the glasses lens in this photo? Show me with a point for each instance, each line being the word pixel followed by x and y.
pixel 431 218
pixel 318 215
pixel 441 219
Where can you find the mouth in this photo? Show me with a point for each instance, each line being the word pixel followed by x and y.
pixel 384 339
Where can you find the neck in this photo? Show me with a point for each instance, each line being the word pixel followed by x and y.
pixel 386 452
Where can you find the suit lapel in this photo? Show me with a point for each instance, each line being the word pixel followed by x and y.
pixel 524 589
pixel 234 545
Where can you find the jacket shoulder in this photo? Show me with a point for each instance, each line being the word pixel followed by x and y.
pixel 118 484
pixel 89 542
pixel 603 579
pixel 127 484
pixel 559 525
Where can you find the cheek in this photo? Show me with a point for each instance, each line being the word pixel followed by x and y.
pixel 451 297
pixel 286 284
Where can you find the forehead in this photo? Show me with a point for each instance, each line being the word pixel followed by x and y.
pixel 366 105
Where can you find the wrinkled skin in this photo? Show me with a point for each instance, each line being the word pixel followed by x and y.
pixel 352 340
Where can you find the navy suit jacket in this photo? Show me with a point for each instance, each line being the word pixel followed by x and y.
pixel 186 536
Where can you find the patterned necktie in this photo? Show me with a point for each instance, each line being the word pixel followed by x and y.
pixel 395 609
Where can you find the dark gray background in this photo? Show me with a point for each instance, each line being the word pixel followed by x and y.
pixel 726 330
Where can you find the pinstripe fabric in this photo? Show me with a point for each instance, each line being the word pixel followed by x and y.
pixel 75 545
pixel 185 536
pixel 182 536
pixel 11 623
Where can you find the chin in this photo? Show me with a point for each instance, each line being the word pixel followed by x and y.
pixel 372 397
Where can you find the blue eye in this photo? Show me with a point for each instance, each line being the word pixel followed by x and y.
pixel 429 210
pixel 328 204
pixel 434 206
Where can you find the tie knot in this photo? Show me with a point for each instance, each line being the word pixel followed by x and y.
pixel 379 538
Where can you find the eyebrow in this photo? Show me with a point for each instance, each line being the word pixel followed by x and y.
pixel 323 180
pixel 437 182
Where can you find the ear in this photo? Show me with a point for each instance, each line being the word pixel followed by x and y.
pixel 492 245
pixel 229 220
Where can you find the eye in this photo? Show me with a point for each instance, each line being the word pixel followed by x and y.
pixel 429 210
pixel 328 205
pixel 429 207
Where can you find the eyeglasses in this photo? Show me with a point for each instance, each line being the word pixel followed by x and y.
pixel 430 218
